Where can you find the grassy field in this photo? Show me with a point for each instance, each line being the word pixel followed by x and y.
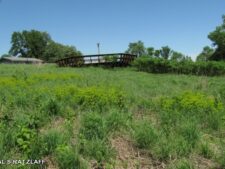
pixel 77 118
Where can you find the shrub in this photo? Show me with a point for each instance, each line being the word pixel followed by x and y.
pixel 160 65
pixel 24 138
pixel 197 107
pixel 100 98
pixel 185 117
pixel 198 101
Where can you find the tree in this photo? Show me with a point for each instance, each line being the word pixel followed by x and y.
pixel 206 54
pixel 136 48
pixel 5 55
pixel 29 43
pixel 165 52
pixel 188 58
pixel 157 53
pixel 55 51
pixel 150 51
pixel 177 56
pixel 19 45
pixel 39 45
pixel 218 38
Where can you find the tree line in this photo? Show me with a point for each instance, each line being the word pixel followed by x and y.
pixel 214 53
pixel 139 49
pixel 210 62
pixel 37 44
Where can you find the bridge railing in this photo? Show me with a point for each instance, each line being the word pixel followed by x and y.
pixel 116 59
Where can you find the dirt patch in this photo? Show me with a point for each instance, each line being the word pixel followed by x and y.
pixel 203 163
pixel 49 164
pixel 130 157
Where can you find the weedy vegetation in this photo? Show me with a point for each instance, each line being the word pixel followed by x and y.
pixel 70 117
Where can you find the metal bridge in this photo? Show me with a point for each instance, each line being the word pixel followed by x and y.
pixel 113 59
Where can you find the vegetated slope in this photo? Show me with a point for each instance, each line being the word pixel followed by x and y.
pixel 110 118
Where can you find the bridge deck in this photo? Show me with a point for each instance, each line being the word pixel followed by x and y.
pixel 115 59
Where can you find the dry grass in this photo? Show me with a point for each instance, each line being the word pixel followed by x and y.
pixel 130 157
pixel 50 164
pixel 203 163
pixel 56 123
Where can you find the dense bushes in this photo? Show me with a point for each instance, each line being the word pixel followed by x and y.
pixel 159 65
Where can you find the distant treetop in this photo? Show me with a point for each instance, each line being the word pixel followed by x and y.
pixel 218 39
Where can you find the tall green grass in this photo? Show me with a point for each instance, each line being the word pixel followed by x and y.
pixel 71 115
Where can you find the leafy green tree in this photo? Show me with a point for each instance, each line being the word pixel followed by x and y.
pixel 187 58
pixel 150 51
pixel 206 54
pixel 177 56
pixel 39 45
pixel 136 48
pixel 19 45
pixel 157 53
pixel 53 52
pixel 165 52
pixel 56 51
pixel 5 55
pixel 218 38
pixel 29 43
